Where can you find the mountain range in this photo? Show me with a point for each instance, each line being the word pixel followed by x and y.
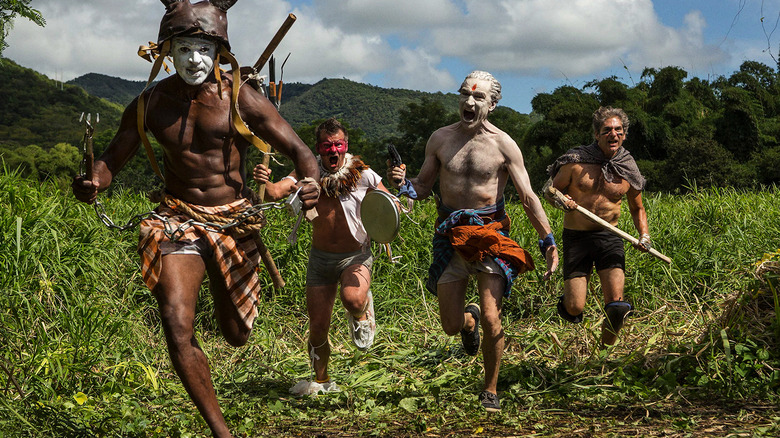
pixel 372 109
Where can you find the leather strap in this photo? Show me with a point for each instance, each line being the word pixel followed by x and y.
pixel 238 122
pixel 141 110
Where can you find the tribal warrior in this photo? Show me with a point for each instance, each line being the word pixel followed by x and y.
pixel 341 251
pixel 597 177
pixel 473 160
pixel 204 155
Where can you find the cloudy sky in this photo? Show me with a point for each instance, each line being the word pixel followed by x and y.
pixel 531 46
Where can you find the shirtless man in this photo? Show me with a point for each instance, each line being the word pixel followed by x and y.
pixel 473 160
pixel 597 177
pixel 341 251
pixel 204 156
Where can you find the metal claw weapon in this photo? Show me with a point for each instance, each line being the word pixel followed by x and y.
pixel 88 160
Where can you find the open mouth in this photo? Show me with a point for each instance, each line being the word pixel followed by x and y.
pixel 469 116
pixel 333 160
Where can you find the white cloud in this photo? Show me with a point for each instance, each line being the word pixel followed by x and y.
pixel 577 37
pixel 427 45
pixel 387 16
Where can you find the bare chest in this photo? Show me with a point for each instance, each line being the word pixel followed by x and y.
pixel 590 182
pixel 477 160
pixel 190 125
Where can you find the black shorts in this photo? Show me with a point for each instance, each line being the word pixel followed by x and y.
pixel 583 249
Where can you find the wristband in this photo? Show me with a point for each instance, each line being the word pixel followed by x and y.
pixel 310 180
pixel 644 240
pixel 545 243
pixel 407 189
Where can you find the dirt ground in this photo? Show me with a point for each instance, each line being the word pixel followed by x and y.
pixel 657 420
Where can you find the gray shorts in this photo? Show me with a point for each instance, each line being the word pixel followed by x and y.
pixel 325 268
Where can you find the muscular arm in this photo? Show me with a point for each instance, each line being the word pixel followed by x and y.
pixel 637 209
pixel 121 149
pixel 263 119
pixel 531 204
pixel 562 180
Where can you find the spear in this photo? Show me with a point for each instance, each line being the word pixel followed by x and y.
pixel 606 225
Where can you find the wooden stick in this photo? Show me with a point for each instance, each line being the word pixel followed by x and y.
pixel 261 187
pixel 274 42
pixel 265 254
pixel 607 226
pixel 269 263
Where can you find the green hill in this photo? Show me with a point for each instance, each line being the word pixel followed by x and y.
pixel 117 90
pixel 37 111
pixel 372 109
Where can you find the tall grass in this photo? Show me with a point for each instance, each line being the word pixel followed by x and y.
pixel 83 355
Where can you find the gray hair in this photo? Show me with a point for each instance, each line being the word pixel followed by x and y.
pixel 495 86
pixel 604 113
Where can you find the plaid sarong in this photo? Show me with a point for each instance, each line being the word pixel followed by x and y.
pixel 237 256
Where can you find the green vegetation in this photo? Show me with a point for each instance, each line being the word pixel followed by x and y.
pixel 117 90
pixel 9 9
pixel 723 132
pixel 83 354
pixel 37 111
pixel 372 109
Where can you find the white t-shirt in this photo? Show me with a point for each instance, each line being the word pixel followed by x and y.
pixel 350 203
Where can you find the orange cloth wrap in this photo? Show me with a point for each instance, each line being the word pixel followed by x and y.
pixel 474 242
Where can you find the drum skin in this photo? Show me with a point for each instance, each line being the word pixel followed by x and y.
pixel 380 216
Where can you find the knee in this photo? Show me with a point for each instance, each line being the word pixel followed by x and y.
pixel 237 338
pixel 177 327
pixel 452 326
pixel 354 302
pixel 491 324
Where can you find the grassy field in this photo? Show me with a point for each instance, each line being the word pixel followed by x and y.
pixel 83 354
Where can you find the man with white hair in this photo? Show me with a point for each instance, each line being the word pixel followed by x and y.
pixel 473 160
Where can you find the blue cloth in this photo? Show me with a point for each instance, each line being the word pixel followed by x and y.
pixel 443 250
pixel 545 243
pixel 407 189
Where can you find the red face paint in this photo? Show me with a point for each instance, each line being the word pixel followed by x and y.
pixel 474 87
pixel 326 147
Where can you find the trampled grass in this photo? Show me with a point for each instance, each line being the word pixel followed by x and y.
pixel 83 353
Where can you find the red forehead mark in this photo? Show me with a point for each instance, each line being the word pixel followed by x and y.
pixel 473 87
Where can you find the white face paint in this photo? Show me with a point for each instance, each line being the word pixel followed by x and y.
pixel 193 58
pixel 475 102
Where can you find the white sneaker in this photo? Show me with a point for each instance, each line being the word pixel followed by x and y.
pixel 363 332
pixel 305 387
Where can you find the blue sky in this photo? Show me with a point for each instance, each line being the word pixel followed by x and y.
pixel 531 46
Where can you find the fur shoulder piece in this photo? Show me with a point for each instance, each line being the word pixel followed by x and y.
pixel 343 180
